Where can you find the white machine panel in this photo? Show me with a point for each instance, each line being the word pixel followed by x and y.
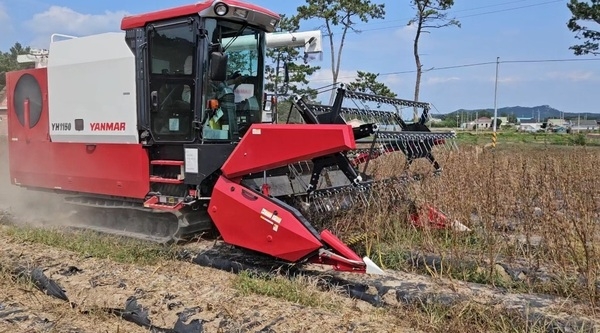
pixel 92 92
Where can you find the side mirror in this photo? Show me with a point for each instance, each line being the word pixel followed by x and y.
pixel 218 66
pixel 266 102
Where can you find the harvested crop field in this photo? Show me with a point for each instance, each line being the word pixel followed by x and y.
pixel 528 264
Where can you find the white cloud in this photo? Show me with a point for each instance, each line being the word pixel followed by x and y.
pixel 323 77
pixel 391 80
pixel 65 20
pixel 440 79
pixel 574 76
pixel 406 33
pixel 510 79
pixel 502 79
pixel 5 21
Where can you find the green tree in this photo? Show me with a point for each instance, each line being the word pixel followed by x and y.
pixel 344 13
pixel 430 14
pixel 8 61
pixel 367 82
pixel 299 71
pixel 497 124
pixel 585 11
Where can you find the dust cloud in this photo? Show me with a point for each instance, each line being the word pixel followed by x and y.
pixel 28 206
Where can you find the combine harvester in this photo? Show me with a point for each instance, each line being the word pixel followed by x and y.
pixel 160 131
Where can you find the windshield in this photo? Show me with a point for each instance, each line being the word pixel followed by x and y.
pixel 240 96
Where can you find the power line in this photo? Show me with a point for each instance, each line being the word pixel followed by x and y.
pixel 459 17
pixel 550 60
pixel 450 12
pixel 432 69
pixel 515 8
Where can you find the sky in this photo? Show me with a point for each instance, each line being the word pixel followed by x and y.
pixel 513 30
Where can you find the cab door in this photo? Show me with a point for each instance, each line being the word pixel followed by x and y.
pixel 172 64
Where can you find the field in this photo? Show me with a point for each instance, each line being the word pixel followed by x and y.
pixel 529 264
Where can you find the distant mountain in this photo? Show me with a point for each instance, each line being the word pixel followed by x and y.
pixel 543 111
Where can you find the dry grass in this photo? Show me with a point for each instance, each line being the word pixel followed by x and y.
pixel 534 206
pixel 301 290
pixel 470 316
pixel 92 244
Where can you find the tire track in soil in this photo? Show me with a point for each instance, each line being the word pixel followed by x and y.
pixel 397 289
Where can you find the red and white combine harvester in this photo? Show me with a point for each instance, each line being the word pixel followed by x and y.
pixel 163 123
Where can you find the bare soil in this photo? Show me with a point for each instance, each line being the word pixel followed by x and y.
pixel 165 289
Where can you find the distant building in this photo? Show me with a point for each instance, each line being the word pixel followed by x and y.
pixel 3 110
pixel 480 123
pixel 525 120
pixel 529 127
pixel 584 125
pixel 557 122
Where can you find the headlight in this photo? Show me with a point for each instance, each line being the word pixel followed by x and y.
pixel 221 9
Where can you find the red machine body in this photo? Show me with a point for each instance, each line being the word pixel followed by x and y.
pixel 140 21
pixel 37 162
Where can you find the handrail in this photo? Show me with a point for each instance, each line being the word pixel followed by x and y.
pixel 61 35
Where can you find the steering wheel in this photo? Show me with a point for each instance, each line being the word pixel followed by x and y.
pixel 238 79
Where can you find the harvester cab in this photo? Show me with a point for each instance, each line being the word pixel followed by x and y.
pixel 157 131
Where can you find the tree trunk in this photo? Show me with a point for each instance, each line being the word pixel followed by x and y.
pixel 419 66
pixel 333 74
pixel 339 57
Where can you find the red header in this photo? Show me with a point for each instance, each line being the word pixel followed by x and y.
pixel 139 21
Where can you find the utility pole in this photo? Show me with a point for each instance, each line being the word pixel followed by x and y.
pixel 496 95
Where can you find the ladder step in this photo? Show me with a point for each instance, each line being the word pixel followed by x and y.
pixel 167 162
pixel 157 179
pixel 153 203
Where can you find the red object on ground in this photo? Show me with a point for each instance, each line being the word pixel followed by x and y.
pixel 432 217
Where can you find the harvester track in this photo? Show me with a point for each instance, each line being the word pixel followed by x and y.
pixel 131 220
